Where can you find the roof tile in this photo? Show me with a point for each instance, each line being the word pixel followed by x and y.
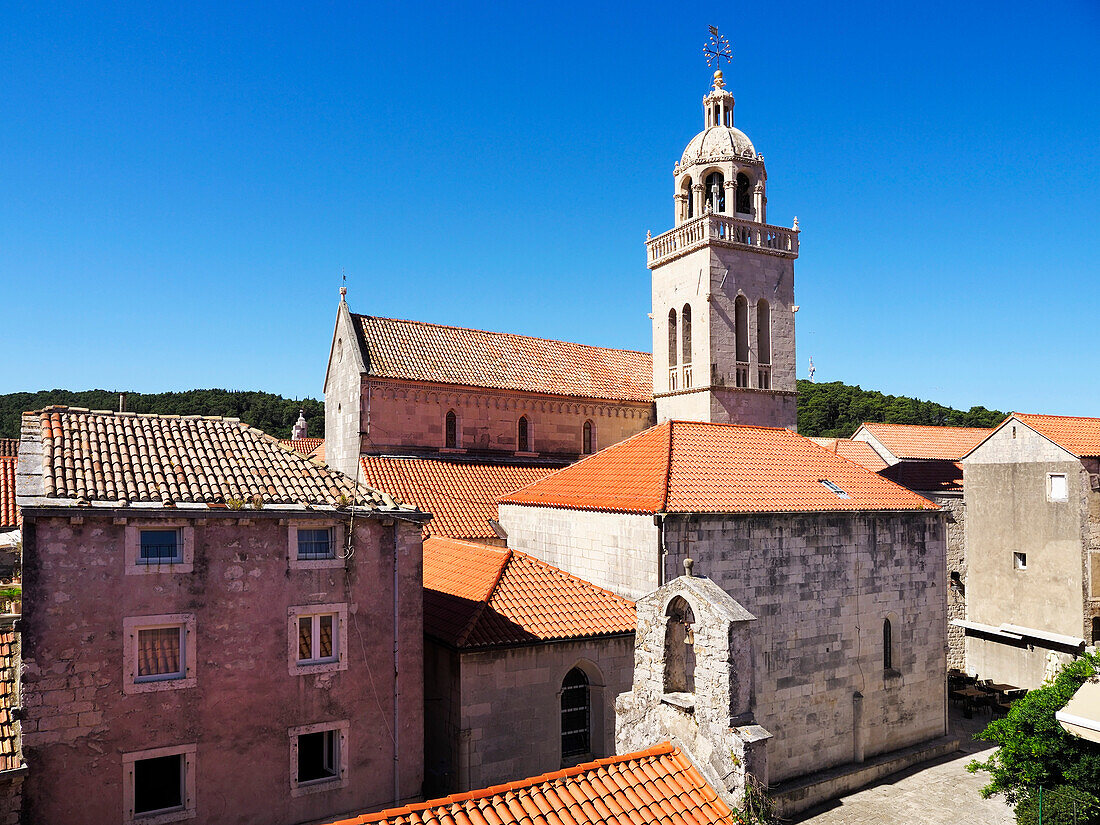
pixel 303 446
pixel 921 441
pixel 9 446
pixel 1078 435
pixel 9 513
pixel 416 351
pixel 10 756
pixel 929 475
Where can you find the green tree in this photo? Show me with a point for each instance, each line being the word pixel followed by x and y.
pixel 1059 806
pixel 1034 750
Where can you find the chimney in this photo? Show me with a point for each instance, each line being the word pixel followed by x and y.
pixel 122 402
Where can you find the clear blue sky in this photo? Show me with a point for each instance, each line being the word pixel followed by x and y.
pixel 182 184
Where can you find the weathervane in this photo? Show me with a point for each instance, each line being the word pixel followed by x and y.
pixel 717 49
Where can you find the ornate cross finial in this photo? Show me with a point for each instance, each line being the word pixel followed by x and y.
pixel 717 49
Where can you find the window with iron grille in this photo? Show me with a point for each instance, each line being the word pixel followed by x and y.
pixel 160 547
pixel 315 544
pixel 576 714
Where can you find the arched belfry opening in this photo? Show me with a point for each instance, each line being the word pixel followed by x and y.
pixel 716 191
pixel 744 193
pixel 687 200
pixel 679 647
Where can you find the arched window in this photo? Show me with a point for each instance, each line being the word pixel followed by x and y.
pixel 764 331
pixel 523 442
pixel 672 338
pixel 741 322
pixel 744 200
pixel 587 442
pixel 679 647
pixel 685 334
pixel 887 645
pixel 689 199
pixel 716 192
pixel 576 714
pixel 451 437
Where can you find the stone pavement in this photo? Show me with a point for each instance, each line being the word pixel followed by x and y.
pixel 940 791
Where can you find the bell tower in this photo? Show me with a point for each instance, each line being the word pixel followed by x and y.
pixel 723 285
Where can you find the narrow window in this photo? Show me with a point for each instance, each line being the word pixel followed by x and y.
pixel 764 331
pixel 522 438
pixel 716 192
pixel 158 785
pixel 1059 489
pixel 672 338
pixel 887 645
pixel 679 647
pixel 160 547
pixel 315 544
pixel 318 756
pixel 1019 561
pixel 576 714
pixel 160 654
pixel 586 439
pixel 689 199
pixel 451 439
pixel 744 205
pixel 741 322
pixel 685 333
pixel 317 643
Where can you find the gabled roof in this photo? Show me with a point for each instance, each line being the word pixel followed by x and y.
pixel 914 441
pixel 101 456
pixel 1075 434
pixel 480 596
pixel 695 467
pixel 659 785
pixel 416 351
pixel 9 446
pixel 927 476
pixel 461 496
pixel 860 452
pixel 9 513
pixel 303 446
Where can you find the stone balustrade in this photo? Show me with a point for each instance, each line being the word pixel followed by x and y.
pixel 721 229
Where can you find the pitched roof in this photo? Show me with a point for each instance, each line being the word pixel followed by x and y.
pixel 1075 434
pixel 115 457
pixel 921 441
pixel 9 513
pixel 929 476
pixel 860 452
pixel 303 446
pixel 658 785
pixel 479 596
pixel 416 351
pixel 10 754
pixel 461 496
pixel 9 446
pixel 696 467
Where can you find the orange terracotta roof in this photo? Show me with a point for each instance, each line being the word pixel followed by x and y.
pixel 461 496
pixel 416 351
pixel 9 513
pixel 1078 435
pixel 9 446
pixel 10 754
pixel 860 452
pixel 113 457
pixel 302 446
pixel 920 441
pixel 659 785
pixel 478 596
pixel 929 475
pixel 695 467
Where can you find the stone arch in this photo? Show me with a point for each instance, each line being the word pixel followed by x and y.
pixel 450 430
pixel 672 338
pixel 744 193
pixel 891 625
pixel 679 648
pixel 685 334
pixel 714 189
pixel 741 327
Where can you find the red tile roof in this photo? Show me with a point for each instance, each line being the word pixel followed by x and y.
pixel 461 496
pixel 9 446
pixel 651 787
pixel 1078 435
pixel 111 456
pixel 920 441
pixel 860 452
pixel 9 513
pixel 478 596
pixel 10 755
pixel 416 351
pixel 694 467
pixel 928 476
pixel 303 446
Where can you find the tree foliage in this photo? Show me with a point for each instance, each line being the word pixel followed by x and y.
pixel 273 414
pixel 836 410
pixel 1034 749
pixel 1059 806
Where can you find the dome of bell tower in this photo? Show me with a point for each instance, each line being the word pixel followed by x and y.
pixel 719 140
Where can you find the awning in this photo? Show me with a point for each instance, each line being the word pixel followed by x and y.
pixel 1081 715
pixel 1015 632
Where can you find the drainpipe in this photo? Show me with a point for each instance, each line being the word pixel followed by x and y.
pixel 662 551
pixel 396 683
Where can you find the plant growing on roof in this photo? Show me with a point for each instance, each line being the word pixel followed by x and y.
pixel 234 503
pixel 257 502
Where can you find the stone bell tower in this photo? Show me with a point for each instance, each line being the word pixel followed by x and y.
pixel 723 286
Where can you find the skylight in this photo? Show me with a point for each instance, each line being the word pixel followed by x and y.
pixel 828 485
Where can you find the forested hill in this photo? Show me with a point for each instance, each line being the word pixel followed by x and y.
pixel 837 409
pixel 273 414
pixel 834 409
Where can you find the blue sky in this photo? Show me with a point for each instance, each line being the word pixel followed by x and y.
pixel 182 184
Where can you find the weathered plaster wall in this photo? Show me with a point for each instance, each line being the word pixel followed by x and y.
pixel 613 550
pixel 79 721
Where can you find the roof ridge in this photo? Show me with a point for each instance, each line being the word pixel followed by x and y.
pixel 924 426
pixel 64 408
pixel 668 471
pixel 662 749
pixel 483 605
pixel 1051 415
pixel 493 332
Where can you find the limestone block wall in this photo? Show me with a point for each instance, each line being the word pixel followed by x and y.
pixel 11 796
pixel 410 417
pixel 954 508
pixel 821 587
pixel 617 551
pixel 511 706
pixel 80 719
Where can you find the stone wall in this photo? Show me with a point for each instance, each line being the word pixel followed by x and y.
pixel 616 551
pixel 954 508
pixel 83 715
pixel 343 380
pixel 11 796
